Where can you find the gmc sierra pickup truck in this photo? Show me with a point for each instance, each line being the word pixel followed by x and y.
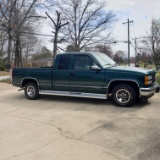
pixel 89 75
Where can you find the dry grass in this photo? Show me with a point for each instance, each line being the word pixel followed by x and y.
pixel 3 73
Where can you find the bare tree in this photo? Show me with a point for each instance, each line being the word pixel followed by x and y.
pixel 17 14
pixel 6 12
pixel 88 21
pixel 3 38
pixel 105 49
pixel 29 44
pixel 152 42
pixel 23 12
pixel 58 24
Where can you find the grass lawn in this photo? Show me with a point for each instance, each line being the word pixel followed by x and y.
pixel 3 73
pixel 158 77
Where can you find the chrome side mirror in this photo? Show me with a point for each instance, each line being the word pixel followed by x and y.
pixel 95 68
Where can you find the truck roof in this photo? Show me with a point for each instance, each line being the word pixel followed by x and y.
pixel 91 53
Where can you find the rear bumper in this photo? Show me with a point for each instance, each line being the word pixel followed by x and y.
pixel 16 84
pixel 149 92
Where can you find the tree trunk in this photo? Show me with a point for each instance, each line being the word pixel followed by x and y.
pixel 27 57
pixel 17 57
pixel 9 48
pixel 20 54
pixel 55 47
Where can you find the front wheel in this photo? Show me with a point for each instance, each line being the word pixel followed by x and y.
pixel 31 91
pixel 124 95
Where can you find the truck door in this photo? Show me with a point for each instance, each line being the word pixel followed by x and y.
pixel 83 78
pixel 61 73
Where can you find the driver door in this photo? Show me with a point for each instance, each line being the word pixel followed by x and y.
pixel 83 79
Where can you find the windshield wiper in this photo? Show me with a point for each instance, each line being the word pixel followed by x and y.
pixel 107 64
pixel 110 65
pixel 114 65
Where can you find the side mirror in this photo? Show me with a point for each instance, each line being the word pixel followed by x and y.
pixel 95 68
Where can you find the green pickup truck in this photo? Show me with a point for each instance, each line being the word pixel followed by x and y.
pixel 87 75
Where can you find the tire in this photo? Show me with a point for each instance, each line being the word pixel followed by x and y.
pixel 124 95
pixel 31 91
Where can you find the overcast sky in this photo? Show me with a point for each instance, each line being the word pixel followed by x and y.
pixel 140 11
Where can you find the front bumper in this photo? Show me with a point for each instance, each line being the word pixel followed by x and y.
pixel 149 92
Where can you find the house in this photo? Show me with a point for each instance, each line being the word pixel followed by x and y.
pixel 42 62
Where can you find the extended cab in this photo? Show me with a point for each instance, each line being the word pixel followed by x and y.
pixel 89 75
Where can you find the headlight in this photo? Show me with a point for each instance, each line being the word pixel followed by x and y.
pixel 148 80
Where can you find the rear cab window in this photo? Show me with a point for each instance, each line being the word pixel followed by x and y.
pixel 64 62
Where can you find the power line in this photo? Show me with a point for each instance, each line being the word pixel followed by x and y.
pixel 31 33
pixel 133 31
pixel 46 35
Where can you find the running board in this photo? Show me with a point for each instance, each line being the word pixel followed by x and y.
pixel 73 94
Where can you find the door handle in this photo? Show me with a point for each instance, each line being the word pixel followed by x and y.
pixel 71 74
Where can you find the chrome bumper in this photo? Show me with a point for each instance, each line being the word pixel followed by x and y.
pixel 149 92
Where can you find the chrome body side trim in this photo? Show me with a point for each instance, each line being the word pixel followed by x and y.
pixel 73 94
pixel 44 85
pixel 144 92
pixel 29 78
pixel 95 87
pixel 15 83
pixel 35 80
pixel 122 80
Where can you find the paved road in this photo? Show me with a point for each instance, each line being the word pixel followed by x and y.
pixel 60 128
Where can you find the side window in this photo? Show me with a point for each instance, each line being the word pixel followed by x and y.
pixel 64 62
pixel 82 62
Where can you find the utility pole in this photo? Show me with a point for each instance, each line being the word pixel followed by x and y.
pixel 135 48
pixel 135 42
pixel 128 21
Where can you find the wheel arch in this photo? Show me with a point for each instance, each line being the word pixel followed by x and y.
pixel 132 83
pixel 28 80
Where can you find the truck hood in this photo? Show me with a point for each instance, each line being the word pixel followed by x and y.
pixel 133 69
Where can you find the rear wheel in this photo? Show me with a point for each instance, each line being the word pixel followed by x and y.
pixel 31 91
pixel 124 95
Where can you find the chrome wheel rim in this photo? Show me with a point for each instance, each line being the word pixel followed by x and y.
pixel 123 96
pixel 30 91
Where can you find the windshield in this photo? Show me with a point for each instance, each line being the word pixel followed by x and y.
pixel 104 60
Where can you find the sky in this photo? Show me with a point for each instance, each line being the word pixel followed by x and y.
pixel 140 11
